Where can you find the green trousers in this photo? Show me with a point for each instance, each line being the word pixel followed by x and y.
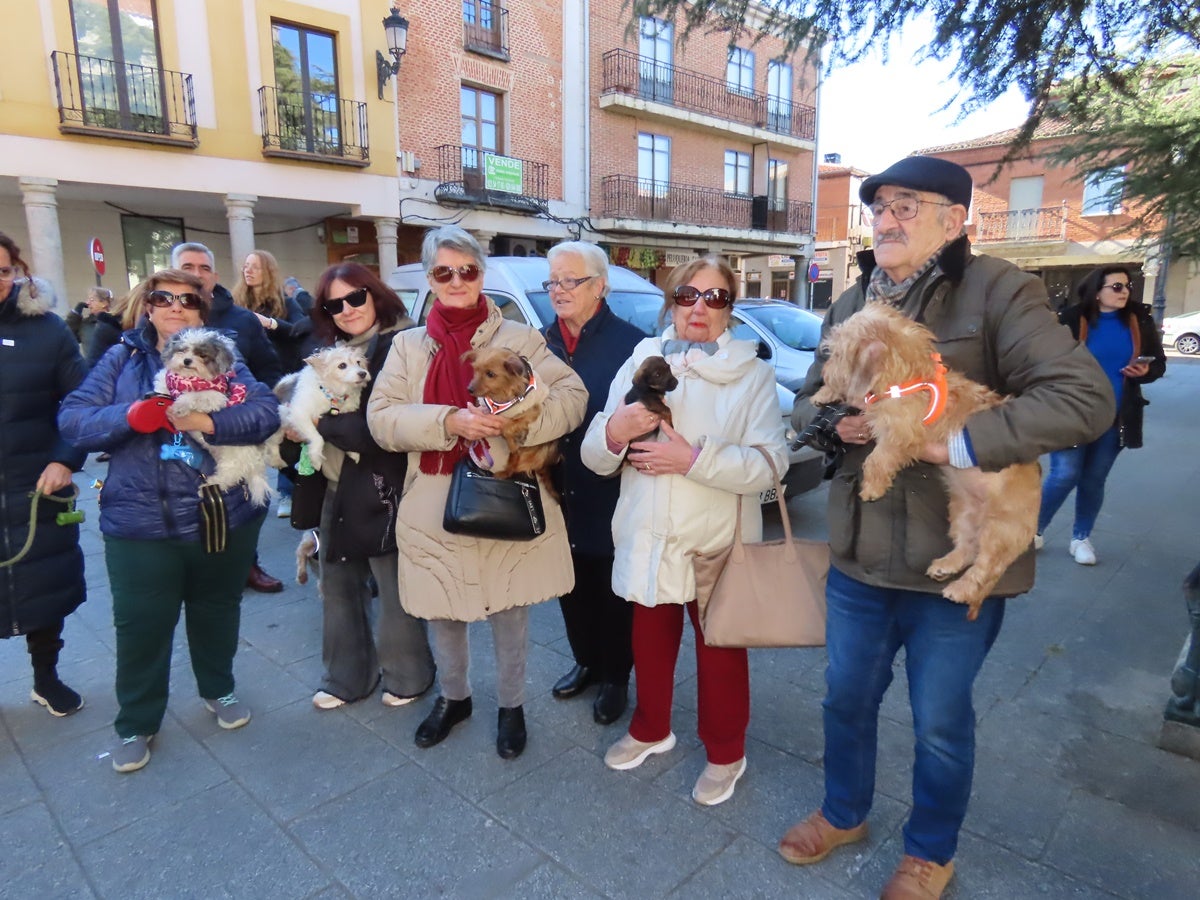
pixel 151 581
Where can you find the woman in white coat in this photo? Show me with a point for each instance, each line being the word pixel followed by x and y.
pixel 679 498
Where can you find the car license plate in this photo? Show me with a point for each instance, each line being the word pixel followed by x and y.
pixel 768 496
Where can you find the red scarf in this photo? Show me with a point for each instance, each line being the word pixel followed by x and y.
pixel 570 341
pixel 446 383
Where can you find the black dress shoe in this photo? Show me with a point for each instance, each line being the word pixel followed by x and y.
pixel 444 716
pixel 260 581
pixel 610 702
pixel 572 683
pixel 510 734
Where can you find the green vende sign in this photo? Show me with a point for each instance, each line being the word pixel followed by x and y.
pixel 502 173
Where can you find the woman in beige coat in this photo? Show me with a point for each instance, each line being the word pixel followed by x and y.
pixel 421 405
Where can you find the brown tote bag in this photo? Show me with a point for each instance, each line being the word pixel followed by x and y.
pixel 770 594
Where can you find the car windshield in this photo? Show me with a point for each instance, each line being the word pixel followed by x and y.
pixel 796 328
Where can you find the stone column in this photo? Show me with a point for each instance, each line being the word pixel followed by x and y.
pixel 385 237
pixel 239 209
pixel 485 240
pixel 45 239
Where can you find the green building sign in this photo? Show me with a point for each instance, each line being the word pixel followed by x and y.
pixel 502 173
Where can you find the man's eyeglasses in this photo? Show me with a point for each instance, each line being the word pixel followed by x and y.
pixel 335 305
pixel 903 208
pixel 164 299
pixel 7 272
pixel 445 274
pixel 714 298
pixel 1117 287
pixel 565 284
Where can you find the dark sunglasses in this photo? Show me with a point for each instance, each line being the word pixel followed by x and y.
pixel 335 305
pixel 714 298
pixel 445 274
pixel 163 300
pixel 1117 287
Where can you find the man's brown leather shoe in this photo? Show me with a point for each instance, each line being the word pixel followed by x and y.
pixel 814 839
pixel 917 879
pixel 262 582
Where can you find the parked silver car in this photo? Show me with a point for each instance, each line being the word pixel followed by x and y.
pixel 515 285
pixel 1182 332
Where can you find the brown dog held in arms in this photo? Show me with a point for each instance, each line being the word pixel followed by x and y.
pixel 888 365
pixel 651 382
pixel 504 381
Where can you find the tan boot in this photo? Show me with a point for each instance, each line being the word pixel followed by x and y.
pixel 814 839
pixel 917 879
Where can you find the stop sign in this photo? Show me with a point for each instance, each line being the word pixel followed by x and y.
pixel 96 254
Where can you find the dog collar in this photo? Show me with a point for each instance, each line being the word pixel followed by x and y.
pixel 222 384
pixel 936 388
pixel 491 406
pixel 335 401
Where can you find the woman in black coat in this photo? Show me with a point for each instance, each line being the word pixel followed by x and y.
pixel 39 365
pixel 595 343
pixel 358 514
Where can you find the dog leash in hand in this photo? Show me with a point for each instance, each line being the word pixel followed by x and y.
pixel 69 516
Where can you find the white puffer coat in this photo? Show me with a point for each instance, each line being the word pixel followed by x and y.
pixel 725 404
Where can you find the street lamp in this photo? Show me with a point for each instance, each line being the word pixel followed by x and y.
pixel 395 26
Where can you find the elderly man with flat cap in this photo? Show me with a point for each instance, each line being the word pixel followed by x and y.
pixel 994 324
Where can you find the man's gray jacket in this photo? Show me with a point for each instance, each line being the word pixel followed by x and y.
pixel 994 324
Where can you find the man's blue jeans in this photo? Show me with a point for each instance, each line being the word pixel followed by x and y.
pixel 943 653
pixel 1083 469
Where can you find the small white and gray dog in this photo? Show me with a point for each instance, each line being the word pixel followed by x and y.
pixel 332 380
pixel 198 375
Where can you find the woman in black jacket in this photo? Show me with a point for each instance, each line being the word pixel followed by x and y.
pixel 588 336
pixel 1125 341
pixel 41 365
pixel 358 514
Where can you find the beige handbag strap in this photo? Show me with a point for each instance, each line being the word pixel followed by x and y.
pixel 739 551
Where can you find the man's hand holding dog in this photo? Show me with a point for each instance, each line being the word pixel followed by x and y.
pixel 854 430
pixel 674 456
pixel 472 424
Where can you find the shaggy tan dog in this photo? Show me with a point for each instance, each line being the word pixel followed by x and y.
pixel 887 364
pixel 503 384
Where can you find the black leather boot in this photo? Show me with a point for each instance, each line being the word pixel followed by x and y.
pixel 572 683
pixel 444 716
pixel 510 736
pixel 610 704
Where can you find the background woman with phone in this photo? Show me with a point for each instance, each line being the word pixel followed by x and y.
pixel 1125 341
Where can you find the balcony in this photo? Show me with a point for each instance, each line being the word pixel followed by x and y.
pixel 485 28
pixel 1022 226
pixel 312 126
pixel 642 85
pixel 473 177
pixel 629 197
pixel 124 101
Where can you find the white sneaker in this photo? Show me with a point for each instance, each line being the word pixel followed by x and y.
pixel 1038 542
pixel 325 700
pixel 629 753
pixel 395 700
pixel 1083 552
pixel 717 782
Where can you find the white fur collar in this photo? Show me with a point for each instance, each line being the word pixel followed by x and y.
pixel 35 306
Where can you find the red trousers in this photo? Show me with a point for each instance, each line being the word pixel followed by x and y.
pixel 722 683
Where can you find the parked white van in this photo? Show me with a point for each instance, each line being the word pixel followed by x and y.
pixel 515 285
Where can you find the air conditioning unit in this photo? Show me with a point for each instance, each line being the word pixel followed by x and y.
pixel 520 248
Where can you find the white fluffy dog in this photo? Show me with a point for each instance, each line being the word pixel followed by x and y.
pixel 198 376
pixel 331 380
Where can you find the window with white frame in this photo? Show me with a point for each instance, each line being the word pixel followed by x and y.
pixel 1102 190
pixel 739 71
pixel 737 172
pixel 654 164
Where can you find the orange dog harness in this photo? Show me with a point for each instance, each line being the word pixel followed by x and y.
pixel 936 388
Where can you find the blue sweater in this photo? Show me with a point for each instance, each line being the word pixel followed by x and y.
pixel 1111 343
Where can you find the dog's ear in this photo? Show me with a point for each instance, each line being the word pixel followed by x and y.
pixel 469 357
pixel 514 365
pixel 224 356
pixel 868 361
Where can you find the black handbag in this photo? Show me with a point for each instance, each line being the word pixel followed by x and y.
pixel 504 509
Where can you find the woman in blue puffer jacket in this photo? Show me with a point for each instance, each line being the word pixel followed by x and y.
pixel 164 546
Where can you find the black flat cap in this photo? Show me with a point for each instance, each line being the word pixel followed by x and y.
pixel 922 173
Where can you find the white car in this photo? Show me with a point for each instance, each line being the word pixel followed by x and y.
pixel 515 285
pixel 1182 332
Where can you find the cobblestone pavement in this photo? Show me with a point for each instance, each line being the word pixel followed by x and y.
pixel 1072 798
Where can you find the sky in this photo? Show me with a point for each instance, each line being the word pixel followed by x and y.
pixel 873 114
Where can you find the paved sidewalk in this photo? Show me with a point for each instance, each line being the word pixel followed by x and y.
pixel 1072 798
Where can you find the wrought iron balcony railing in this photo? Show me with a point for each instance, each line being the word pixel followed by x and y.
pixel 312 125
pixel 627 73
pixel 126 101
pixel 476 177
pixel 629 197
pixel 1022 225
pixel 485 28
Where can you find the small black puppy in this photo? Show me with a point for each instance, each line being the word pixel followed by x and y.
pixel 651 381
